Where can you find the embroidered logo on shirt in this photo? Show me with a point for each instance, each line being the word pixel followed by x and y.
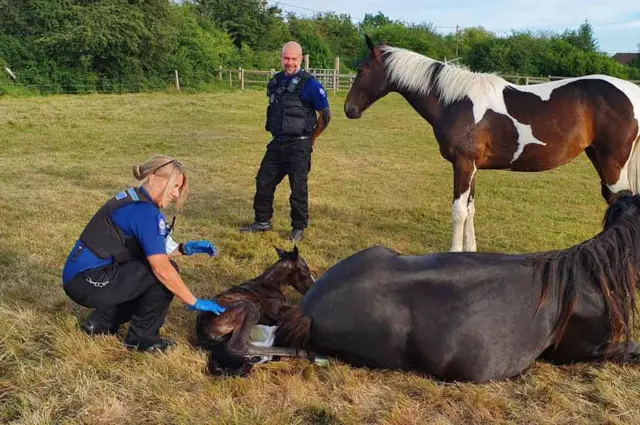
pixel 162 226
pixel 322 92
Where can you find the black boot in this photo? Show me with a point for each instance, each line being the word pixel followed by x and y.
pixel 93 329
pixel 257 226
pixel 296 235
pixel 161 345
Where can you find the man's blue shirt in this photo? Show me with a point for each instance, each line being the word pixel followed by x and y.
pixel 312 93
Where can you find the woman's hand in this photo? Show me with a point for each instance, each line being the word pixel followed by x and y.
pixel 206 305
pixel 199 247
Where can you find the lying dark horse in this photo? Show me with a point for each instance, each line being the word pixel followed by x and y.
pixel 256 301
pixel 479 316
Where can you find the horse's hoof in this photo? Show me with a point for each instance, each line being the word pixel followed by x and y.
pixel 241 371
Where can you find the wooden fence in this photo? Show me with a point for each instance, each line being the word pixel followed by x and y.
pixel 335 82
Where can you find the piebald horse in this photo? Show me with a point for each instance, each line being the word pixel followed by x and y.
pixel 481 121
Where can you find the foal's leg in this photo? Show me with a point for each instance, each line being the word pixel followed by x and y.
pixel 463 174
pixel 238 344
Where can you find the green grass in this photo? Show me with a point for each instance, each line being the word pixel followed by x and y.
pixel 379 179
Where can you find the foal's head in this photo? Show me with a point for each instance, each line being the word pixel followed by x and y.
pixel 370 83
pixel 293 270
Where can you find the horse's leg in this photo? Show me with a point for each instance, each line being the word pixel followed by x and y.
pixel 463 173
pixel 621 353
pixel 469 231
pixel 230 358
pixel 238 344
pixel 603 172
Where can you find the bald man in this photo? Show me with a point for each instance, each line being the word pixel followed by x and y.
pixel 298 112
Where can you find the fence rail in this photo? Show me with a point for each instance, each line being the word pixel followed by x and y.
pixel 333 81
pixel 242 78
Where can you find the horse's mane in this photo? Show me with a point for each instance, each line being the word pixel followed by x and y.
pixel 421 74
pixel 611 259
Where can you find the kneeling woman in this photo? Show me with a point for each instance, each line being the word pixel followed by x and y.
pixel 120 264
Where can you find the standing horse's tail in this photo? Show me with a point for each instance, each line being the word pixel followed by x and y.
pixel 633 167
pixel 295 329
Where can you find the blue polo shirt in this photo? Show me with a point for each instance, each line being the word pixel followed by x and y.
pixel 312 93
pixel 139 219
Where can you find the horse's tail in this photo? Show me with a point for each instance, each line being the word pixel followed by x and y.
pixel 633 167
pixel 295 328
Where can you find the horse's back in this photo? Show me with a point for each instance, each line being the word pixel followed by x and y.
pixel 387 310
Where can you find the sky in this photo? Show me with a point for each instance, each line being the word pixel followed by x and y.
pixel 616 23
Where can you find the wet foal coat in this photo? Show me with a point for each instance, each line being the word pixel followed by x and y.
pixel 481 121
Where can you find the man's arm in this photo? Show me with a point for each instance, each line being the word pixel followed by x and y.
pixel 324 117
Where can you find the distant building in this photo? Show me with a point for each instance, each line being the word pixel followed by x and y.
pixel 625 58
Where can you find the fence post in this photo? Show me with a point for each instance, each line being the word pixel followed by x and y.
pixel 336 70
pixel 241 78
pixel 526 81
pixel 230 78
pixel 306 63
pixel 177 80
pixel 220 73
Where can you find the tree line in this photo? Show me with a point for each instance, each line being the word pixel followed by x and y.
pixel 112 45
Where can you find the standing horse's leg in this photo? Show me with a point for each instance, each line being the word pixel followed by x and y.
pixel 469 231
pixel 463 175
pixel 603 173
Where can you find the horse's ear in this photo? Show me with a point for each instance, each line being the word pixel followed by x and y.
pixel 369 42
pixel 295 252
pixel 281 252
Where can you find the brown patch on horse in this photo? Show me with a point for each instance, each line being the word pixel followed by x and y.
pixel 498 137
pixel 586 112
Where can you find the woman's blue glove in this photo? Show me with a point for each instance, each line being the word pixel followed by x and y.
pixel 199 247
pixel 206 305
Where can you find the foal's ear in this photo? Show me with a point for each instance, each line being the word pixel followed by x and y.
pixel 281 252
pixel 369 42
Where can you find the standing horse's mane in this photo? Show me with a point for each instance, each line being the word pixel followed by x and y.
pixel 423 75
pixel 611 259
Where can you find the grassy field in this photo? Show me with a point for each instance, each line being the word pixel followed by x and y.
pixel 376 180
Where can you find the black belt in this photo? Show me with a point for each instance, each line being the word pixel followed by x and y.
pixel 291 139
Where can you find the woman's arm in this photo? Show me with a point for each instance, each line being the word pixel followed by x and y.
pixel 169 277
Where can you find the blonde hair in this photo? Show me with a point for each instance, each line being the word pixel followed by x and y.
pixel 163 166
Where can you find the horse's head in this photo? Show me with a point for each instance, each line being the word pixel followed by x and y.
pixel 295 269
pixel 622 204
pixel 370 83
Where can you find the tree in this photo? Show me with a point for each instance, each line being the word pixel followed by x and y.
pixel 584 38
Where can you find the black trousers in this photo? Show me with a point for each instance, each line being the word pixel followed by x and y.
pixel 121 293
pixel 284 158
